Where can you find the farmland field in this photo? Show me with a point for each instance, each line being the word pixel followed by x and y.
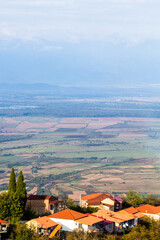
pixel 70 155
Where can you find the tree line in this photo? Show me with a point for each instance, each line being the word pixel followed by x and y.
pixel 12 203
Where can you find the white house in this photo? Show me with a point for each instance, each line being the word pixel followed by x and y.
pixel 68 219
pixel 150 211
pixel 71 220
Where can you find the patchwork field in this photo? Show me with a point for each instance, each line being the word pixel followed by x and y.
pixel 77 155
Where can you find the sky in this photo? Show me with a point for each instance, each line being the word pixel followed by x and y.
pixel 80 43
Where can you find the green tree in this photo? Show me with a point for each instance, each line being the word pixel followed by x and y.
pixel 152 200
pixel 149 230
pixel 134 199
pixel 5 206
pixel 12 183
pixel 21 194
pixel 20 232
pixel 12 204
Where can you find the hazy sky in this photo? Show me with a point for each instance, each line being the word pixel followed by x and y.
pixel 77 42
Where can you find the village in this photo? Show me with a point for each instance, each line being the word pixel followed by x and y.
pixel 104 214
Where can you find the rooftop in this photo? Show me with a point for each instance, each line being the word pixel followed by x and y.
pixel 46 222
pixel 96 198
pixel 68 214
pixel 89 220
pixel 41 197
pixel 2 221
pixel 148 209
pixel 113 216
pixel 130 210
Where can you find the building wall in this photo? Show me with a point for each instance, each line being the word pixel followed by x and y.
pixel 110 228
pixel 108 201
pixel 83 203
pixel 67 225
pixel 32 224
pixel 40 206
pixel 156 217
pixel 108 208
pixel 117 206
pixel 118 228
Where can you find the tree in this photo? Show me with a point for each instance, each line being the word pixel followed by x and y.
pixel 12 183
pixel 20 231
pixel 21 194
pixel 134 199
pixel 12 204
pixel 5 206
pixel 152 200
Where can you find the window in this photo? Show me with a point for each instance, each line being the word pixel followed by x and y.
pixel 51 207
pixel 80 225
pixel 110 226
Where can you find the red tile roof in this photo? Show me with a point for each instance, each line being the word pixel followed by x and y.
pixel 96 198
pixel 89 220
pixel 158 209
pixel 68 214
pixel 46 222
pixel 2 221
pixel 108 205
pixel 130 210
pixel 148 209
pixel 138 215
pixel 91 196
pixel 113 216
pixel 41 197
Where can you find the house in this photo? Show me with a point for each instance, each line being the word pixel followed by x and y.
pixel 91 223
pixel 68 219
pixel 4 226
pixel 132 211
pixel 150 211
pixel 121 221
pixel 72 220
pixel 42 225
pixel 42 204
pixel 102 201
pixel 105 225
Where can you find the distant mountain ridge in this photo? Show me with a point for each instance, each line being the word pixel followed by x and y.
pixel 61 91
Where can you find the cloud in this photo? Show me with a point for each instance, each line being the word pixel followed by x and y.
pixel 131 21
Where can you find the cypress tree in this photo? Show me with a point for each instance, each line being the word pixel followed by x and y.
pixel 12 183
pixel 21 195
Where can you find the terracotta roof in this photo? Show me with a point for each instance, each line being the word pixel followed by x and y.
pixel 103 214
pixel 148 209
pixel 102 219
pixel 68 214
pixel 123 216
pixel 46 222
pixel 114 216
pixel 41 197
pixel 130 210
pixel 91 196
pixel 108 205
pixel 139 215
pixel 89 220
pixel 2 221
pixel 38 197
pixel 158 209
pixel 96 198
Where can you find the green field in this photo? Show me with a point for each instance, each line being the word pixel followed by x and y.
pixel 63 155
